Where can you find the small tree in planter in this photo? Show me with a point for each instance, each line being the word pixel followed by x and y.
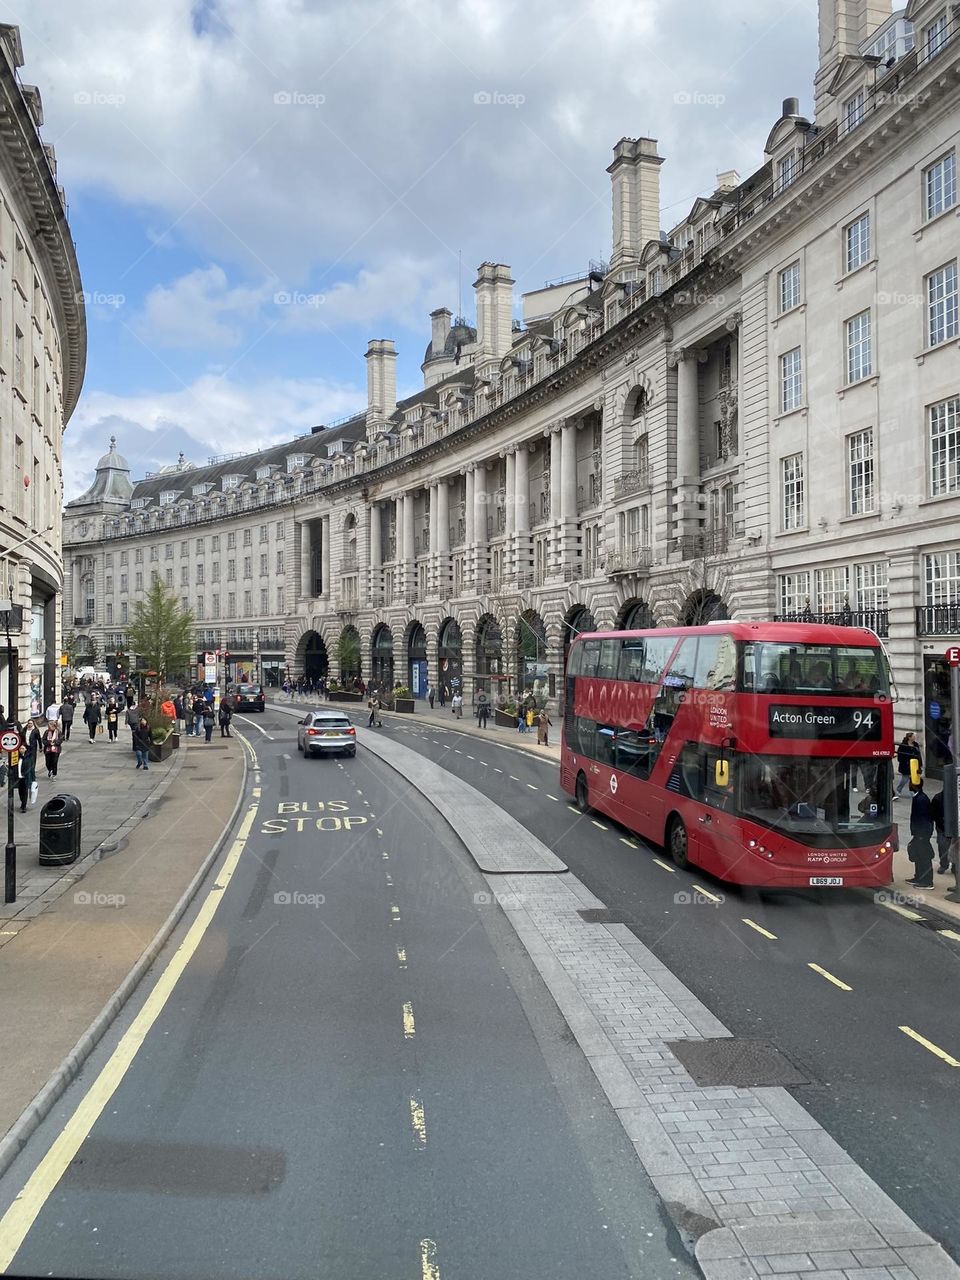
pixel 161 634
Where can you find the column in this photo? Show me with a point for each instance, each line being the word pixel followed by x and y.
pixel 326 580
pixel 481 554
pixel 469 554
pixel 409 548
pixel 443 535
pixel 555 485
pixel 687 483
pixel 509 497
pixel 521 538
pixel 374 548
pixel 568 525
pixel 306 559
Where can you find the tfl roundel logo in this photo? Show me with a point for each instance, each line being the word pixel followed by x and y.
pixel 613 784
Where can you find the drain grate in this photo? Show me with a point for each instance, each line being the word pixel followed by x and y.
pixel 604 915
pixel 742 1064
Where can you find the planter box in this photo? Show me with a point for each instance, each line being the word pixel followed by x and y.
pixel 345 695
pixel 505 719
pixel 406 705
pixel 161 750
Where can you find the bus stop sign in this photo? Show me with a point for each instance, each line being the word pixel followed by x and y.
pixel 952 655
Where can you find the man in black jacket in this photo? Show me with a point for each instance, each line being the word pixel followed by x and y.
pixel 943 840
pixel 921 829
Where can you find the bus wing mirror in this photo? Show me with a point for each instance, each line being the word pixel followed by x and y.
pixel 915 774
pixel 721 773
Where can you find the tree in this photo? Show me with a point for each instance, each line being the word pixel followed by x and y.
pixel 348 653
pixel 161 634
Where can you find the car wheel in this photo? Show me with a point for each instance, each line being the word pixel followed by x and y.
pixel 678 844
pixel 350 754
pixel 582 794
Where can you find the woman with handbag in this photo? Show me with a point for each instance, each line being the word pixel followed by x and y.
pixel 51 743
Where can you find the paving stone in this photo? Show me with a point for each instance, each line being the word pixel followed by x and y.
pixel 791 1262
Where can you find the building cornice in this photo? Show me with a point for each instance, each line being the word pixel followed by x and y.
pixel 40 202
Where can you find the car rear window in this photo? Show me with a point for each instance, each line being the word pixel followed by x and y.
pixel 249 688
pixel 332 722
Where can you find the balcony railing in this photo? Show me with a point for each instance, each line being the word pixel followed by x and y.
pixel 871 619
pixel 709 542
pixel 630 560
pixel 631 482
pixel 938 620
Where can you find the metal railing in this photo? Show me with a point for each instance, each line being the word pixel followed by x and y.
pixel 629 560
pixel 938 619
pixel 877 620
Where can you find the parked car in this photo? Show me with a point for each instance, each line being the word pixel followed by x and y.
pixel 247 697
pixel 324 730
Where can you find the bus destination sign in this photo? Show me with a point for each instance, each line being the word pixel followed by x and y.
pixel 849 723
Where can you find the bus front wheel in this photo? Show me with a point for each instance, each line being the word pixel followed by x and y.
pixel 581 794
pixel 677 843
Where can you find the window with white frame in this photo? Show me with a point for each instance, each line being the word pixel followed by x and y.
pixel 789 287
pixel 833 589
pixel 853 112
pixel 942 317
pixel 792 499
pixel 295 461
pixel 859 347
pixel 138 503
pixel 941 577
pixel 940 185
pixel 935 35
pixel 794 589
pixel 788 170
pixel 856 241
pixel 860 472
pixel 791 380
pixel 168 496
pixel 199 490
pixel 229 482
pixel 871 583
pixel 943 421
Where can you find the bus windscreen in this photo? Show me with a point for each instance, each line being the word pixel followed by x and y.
pixel 814 669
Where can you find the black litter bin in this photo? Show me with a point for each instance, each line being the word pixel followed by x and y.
pixel 60 821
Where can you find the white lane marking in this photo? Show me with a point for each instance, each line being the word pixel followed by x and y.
pixel 902 911
pixel 247 720
pixel 666 866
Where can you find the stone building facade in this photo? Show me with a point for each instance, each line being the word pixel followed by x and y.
pixel 754 414
pixel 42 359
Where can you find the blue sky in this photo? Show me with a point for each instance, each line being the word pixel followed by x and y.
pixel 257 187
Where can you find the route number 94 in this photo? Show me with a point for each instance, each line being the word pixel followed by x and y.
pixel 864 720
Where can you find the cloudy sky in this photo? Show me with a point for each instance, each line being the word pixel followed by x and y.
pixel 257 187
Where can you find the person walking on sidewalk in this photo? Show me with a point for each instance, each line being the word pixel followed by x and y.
pixel 920 849
pixel 141 743
pixel 91 717
pixel 907 750
pixel 199 706
pixel 442 695
pixel 132 719
pixel 543 724
pixel 113 720
pixel 66 716
pixel 483 710
pixel 208 721
pixel 225 715
pixel 27 765
pixel 51 742
pixel 943 840
pixel 374 705
pixel 456 705
pixel 431 695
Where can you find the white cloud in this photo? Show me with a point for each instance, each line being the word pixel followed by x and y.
pixel 209 417
pixel 199 310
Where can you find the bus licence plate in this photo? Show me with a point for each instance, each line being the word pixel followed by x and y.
pixel 827 880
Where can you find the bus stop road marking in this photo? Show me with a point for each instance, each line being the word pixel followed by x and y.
pixel 711 897
pixel 665 865
pixel 759 928
pixel 902 911
pixel 550 797
pixel 628 843
pixel 829 977
pixel 532 787
pixel 599 824
pixel 928 1044
pixel 949 933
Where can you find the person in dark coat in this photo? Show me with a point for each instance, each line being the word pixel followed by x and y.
pixel 907 750
pixel 483 710
pixel 141 743
pixel 207 719
pixel 66 717
pixel 113 720
pixel 943 840
pixel 921 829
pixel 225 715
pixel 27 764
pixel 51 749
pixel 91 718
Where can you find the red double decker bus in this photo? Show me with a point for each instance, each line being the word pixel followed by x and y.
pixel 760 752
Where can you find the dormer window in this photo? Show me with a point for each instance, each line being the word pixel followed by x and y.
pixel 935 35
pixel 853 112
pixel 295 461
pixel 656 282
pixel 168 496
pixel 788 170
pixel 138 503
pixel 200 489
pixel 263 473
pixel 230 482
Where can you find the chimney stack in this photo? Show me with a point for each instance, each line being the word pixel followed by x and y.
pixel 440 328
pixel 494 288
pixel 635 174
pixel 381 361
pixel 844 25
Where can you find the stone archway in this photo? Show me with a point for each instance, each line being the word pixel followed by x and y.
pixel 635 615
pixel 488 664
pixel 381 658
pixel 417 678
pixel 530 638
pixel 349 653
pixel 450 657
pixel 703 606
pixel 577 619
pixel 312 657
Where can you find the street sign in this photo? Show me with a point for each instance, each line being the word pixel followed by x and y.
pixel 952 655
pixel 10 740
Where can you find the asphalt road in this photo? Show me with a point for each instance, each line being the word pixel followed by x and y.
pixel 883 1095
pixel 358 1074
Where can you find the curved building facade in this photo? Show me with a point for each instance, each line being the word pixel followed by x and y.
pixel 754 414
pixel 42 358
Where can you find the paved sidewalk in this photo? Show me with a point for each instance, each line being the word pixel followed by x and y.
pixel 905 895
pixel 752 1181
pixel 64 967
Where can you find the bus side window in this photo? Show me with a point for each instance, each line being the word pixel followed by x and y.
pixel 656 655
pixel 605 739
pixel 631 660
pixel 589 658
pixel 573 659
pixel 716 663
pixel 585 732
pixel 609 659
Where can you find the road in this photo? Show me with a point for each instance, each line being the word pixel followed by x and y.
pixel 357 1073
pixel 882 1094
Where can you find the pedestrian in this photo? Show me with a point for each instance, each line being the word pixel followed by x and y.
pixel 91 718
pixel 132 719
pixel 443 695
pixel 907 750
pixel 208 720
pixel 141 743
pixel 920 850
pixel 178 711
pixel 543 724
pixel 66 716
pixel 51 742
pixel 483 710
pixel 199 706
pixel 131 696
pixel 943 840
pixel 431 695
pixel 528 716
pixel 456 706
pixel 53 712
pixel 521 721
pixel 27 765
pixel 374 717
pixel 113 720
pixel 225 715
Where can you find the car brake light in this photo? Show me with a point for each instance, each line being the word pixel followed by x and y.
pixel 313 732
pixel 351 730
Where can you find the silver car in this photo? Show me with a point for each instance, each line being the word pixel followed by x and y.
pixel 325 730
